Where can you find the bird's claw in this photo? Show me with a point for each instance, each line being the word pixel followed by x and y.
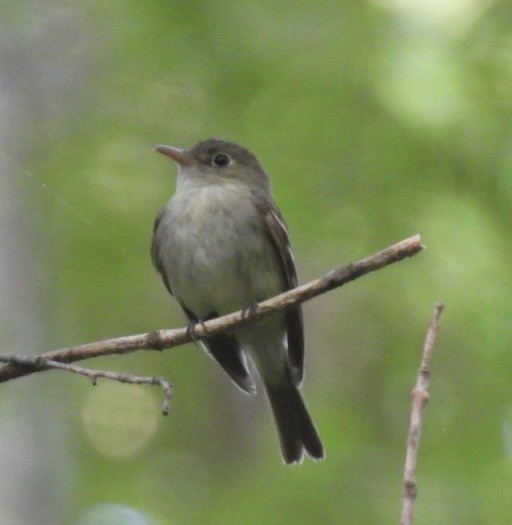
pixel 191 329
pixel 250 310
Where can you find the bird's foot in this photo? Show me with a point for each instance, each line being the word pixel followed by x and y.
pixel 191 329
pixel 250 311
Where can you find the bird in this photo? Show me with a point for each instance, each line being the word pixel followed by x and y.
pixel 221 245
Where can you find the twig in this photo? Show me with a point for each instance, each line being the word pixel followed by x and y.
pixel 160 339
pixel 40 363
pixel 420 398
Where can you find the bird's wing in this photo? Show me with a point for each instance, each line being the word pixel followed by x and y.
pixel 155 255
pixel 227 352
pixel 276 230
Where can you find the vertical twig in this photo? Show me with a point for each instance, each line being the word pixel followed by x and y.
pixel 419 400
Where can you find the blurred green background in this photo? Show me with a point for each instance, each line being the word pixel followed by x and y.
pixel 376 120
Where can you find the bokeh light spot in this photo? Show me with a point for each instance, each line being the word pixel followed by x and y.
pixel 120 420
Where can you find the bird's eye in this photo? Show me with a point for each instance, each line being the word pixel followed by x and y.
pixel 221 160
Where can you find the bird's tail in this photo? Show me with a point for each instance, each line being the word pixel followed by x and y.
pixel 297 432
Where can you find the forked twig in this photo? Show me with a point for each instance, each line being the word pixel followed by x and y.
pixel 19 366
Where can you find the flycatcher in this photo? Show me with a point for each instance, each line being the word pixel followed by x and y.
pixel 221 245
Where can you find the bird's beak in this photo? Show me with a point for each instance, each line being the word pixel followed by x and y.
pixel 180 156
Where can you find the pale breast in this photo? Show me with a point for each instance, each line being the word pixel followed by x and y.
pixel 216 252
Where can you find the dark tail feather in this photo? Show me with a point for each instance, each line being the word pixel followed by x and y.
pixel 296 429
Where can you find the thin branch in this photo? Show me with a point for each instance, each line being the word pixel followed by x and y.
pixel 40 363
pixel 420 398
pixel 160 339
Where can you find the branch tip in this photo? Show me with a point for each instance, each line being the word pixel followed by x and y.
pixel 162 339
